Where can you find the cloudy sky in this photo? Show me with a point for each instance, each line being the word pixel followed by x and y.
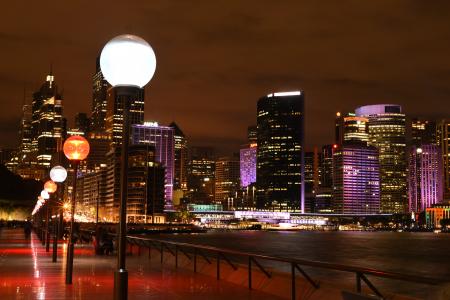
pixel 215 59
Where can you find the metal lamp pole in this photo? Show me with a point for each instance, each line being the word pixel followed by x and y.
pixel 70 244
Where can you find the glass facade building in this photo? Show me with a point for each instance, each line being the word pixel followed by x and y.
pixel 387 132
pixel 248 165
pixel 280 154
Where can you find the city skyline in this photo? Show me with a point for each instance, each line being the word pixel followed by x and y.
pixel 211 90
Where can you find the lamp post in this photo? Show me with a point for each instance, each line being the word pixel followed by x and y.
pixel 76 149
pixel 45 195
pixel 58 174
pixel 128 63
pixel 50 187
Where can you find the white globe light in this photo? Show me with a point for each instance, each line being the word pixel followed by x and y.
pixel 128 60
pixel 45 194
pixel 58 174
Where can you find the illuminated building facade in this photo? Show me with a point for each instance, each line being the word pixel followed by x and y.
pixel 201 175
pixel 350 128
pixel 248 165
pixel 435 214
pixel 26 135
pixel 387 132
pixel 280 155
pixel 226 181
pixel 425 177
pixel 180 158
pixel 356 180
pixel 99 99
pixel 423 132
pixel 443 140
pixel 162 139
pixel 46 122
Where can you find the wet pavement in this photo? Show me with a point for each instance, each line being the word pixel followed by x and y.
pixel 27 272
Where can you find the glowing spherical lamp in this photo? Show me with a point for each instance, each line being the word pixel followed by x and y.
pixel 128 60
pixel 58 174
pixel 45 195
pixel 50 186
pixel 76 148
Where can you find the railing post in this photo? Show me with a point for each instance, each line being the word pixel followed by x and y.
pixel 218 266
pixel 293 281
pixel 249 272
pixel 358 282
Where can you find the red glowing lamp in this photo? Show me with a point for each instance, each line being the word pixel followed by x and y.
pixel 50 186
pixel 76 148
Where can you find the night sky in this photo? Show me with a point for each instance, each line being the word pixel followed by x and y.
pixel 215 59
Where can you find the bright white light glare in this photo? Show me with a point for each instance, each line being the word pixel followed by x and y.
pixel 45 194
pixel 128 60
pixel 283 94
pixel 58 174
pixel 419 150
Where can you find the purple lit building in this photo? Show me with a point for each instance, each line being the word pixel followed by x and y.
pixel 162 138
pixel 248 165
pixel 356 179
pixel 425 177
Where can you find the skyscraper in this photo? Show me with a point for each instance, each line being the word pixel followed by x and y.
pixel 162 138
pixel 350 128
pixel 99 99
pixel 443 140
pixel 46 122
pixel 26 135
pixel 181 158
pixel 82 123
pixel 201 175
pixel 387 132
pixel 423 132
pixel 248 165
pixel 425 177
pixel 356 180
pixel 280 157
pixel 226 181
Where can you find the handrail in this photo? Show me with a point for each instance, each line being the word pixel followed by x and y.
pixel 311 263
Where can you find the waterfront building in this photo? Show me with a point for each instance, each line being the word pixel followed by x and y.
pixel 425 177
pixel 247 156
pixel 46 122
pixel 180 158
pixel 91 195
pixel 350 128
pixel 201 175
pixel 100 144
pixel 26 135
pixel 280 154
pixel 387 132
pixel 309 181
pixel 423 132
pixel 356 179
pixel 162 138
pixel 99 100
pixel 226 182
pixel 443 140
pixel 436 213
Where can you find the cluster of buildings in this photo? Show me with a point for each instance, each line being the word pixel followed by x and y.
pixel 378 163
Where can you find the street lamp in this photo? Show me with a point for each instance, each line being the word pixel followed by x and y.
pixel 58 174
pixel 127 63
pixel 76 148
pixel 49 187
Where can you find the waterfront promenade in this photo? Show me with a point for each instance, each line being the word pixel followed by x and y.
pixel 27 272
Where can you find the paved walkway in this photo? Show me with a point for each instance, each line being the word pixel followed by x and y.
pixel 27 272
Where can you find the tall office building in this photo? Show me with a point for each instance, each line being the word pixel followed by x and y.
pixel 46 122
pixel 180 158
pixel 425 177
pixel 248 165
pixel 99 99
pixel 443 140
pixel 201 175
pixel 356 180
pixel 162 138
pixel 350 128
pixel 387 132
pixel 114 113
pixel 252 134
pixel 423 132
pixel 26 135
pixel 226 182
pixel 280 157
pixel 82 123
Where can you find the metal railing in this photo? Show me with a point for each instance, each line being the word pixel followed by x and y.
pixel 192 252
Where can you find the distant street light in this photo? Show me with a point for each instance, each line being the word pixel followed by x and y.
pixel 49 187
pixel 127 63
pixel 58 174
pixel 76 148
